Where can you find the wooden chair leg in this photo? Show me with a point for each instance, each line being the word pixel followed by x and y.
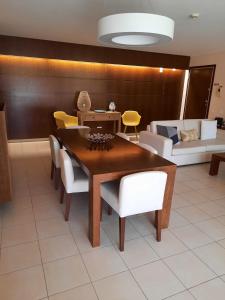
pixel 135 128
pixel 122 222
pixel 158 217
pixel 125 129
pixel 102 204
pixel 68 203
pixel 52 170
pixel 62 192
pixel 57 178
pixel 109 210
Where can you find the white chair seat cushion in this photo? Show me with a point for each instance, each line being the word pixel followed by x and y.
pixel 81 183
pixel 188 148
pixel 110 192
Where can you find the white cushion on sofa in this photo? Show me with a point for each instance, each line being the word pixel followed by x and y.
pixel 208 129
pixel 189 148
pixel 174 123
pixel 193 124
pixel 215 145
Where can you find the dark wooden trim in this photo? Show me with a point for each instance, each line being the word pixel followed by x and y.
pixel 19 46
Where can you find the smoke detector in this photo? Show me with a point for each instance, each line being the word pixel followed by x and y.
pixel 194 15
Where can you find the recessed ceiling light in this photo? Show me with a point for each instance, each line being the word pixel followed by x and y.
pixel 194 15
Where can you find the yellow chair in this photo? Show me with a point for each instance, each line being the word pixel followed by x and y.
pixel 131 118
pixel 63 120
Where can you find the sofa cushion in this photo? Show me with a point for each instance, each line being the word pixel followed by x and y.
pixel 189 148
pixel 193 124
pixel 208 129
pixel 168 132
pixel 174 123
pixel 215 145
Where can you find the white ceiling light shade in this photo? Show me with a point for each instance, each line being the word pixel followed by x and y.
pixel 135 29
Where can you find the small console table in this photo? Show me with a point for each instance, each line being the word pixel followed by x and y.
pixel 90 116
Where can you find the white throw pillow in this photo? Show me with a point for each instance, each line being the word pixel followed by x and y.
pixel 208 129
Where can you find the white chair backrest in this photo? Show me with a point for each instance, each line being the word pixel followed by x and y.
pixel 123 135
pixel 55 147
pixel 148 147
pixel 67 174
pixel 141 192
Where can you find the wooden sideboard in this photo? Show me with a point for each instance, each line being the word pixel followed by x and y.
pixel 5 173
pixel 90 116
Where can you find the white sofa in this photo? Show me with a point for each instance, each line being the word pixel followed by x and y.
pixel 183 153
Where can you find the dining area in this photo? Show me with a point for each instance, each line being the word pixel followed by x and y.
pixel 76 167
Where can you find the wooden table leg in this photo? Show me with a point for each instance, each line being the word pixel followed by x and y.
pixel 214 166
pixel 119 125
pixel 94 211
pixel 168 197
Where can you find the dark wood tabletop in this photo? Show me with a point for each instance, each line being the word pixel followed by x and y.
pixel 123 158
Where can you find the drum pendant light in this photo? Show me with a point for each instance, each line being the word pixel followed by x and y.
pixel 135 29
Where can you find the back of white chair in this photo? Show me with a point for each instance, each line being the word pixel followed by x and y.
pixel 67 173
pixel 148 147
pixel 141 192
pixel 123 135
pixel 55 147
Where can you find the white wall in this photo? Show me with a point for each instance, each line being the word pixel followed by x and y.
pixel 217 105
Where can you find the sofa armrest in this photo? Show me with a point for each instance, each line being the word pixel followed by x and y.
pixel 162 144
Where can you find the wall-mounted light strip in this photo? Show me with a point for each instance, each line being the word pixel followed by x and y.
pixel 69 62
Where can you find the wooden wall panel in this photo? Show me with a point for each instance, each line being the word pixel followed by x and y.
pixel 33 88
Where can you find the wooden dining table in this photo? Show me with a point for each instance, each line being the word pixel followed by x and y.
pixel 105 165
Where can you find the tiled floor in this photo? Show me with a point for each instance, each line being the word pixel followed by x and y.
pixel 43 257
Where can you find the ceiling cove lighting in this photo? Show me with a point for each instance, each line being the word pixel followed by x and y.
pixel 135 29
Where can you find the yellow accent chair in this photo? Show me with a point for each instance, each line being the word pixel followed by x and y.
pixel 63 120
pixel 131 118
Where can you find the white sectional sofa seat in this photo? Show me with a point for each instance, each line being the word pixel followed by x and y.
pixel 183 153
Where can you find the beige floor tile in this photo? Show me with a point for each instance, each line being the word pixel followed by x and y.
pixel 212 193
pixel 168 246
pixel 189 269
pixel 213 228
pixel 19 234
pixel 65 274
pixel 143 223
pixel 52 227
pixel 83 243
pixel 118 287
pixel 137 252
pixel 103 262
pixel 157 281
pixel 85 292
pixel 179 201
pixel 193 214
pixel 181 296
pixel 214 289
pixel 191 236
pixel 17 216
pixel 19 257
pixel 212 209
pixel 112 231
pixel 26 284
pixel 194 197
pixel 47 211
pixel 57 247
pixel 214 256
pixel 176 220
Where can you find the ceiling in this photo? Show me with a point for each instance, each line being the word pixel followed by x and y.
pixel 76 21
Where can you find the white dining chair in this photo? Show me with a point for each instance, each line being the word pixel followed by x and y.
pixel 74 180
pixel 55 164
pixel 148 147
pixel 123 135
pixel 135 194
